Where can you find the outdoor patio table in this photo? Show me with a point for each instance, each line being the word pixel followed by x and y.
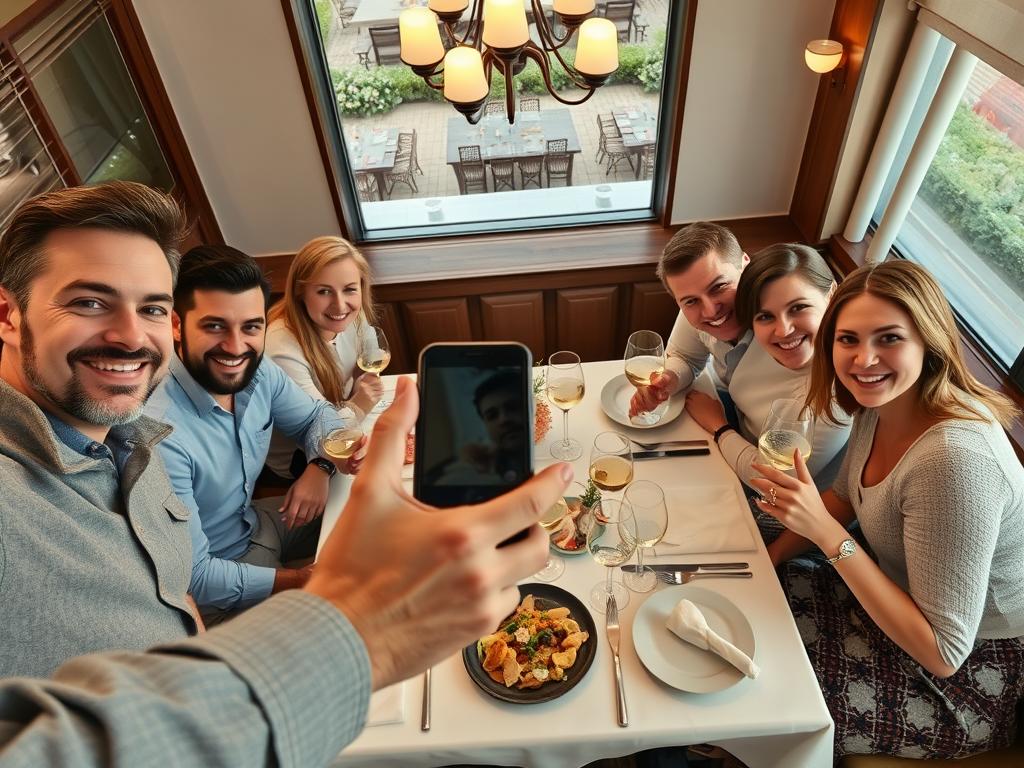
pixel 778 719
pixel 499 140
pixel 639 130
pixel 373 152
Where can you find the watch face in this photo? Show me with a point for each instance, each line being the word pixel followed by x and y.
pixel 847 548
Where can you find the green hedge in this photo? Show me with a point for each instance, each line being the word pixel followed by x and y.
pixel 364 92
pixel 976 183
pixel 324 16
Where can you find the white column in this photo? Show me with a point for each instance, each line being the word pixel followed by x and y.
pixel 954 81
pixel 894 125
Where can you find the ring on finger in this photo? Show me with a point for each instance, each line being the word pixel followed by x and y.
pixel 772 496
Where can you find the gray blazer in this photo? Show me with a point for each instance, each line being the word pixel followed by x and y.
pixel 88 561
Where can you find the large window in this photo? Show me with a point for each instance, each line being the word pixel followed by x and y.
pixel 967 223
pixel 408 164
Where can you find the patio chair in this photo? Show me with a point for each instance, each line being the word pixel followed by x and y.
pixel 615 152
pixel 647 163
pixel 530 168
pixel 558 161
pixel 366 187
pixel 405 164
pixel 495 108
pixel 529 105
pixel 470 170
pixel 503 174
pixel 407 143
pixel 606 129
pixel 387 46
pixel 620 13
pixel 345 12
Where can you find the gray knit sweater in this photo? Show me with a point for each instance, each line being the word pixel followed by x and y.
pixel 947 525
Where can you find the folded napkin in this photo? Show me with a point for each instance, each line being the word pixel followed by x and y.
pixel 387 706
pixel 687 621
pixel 705 518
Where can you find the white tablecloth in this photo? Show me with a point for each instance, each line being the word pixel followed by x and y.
pixel 778 719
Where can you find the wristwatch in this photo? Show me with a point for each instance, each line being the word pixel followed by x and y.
pixel 325 465
pixel 721 431
pixel 846 549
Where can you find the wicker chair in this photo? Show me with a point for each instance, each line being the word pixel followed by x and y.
pixel 503 174
pixel 558 161
pixel 494 108
pixel 530 168
pixel 529 105
pixel 345 12
pixel 606 128
pixel 406 164
pixel 387 45
pixel 366 188
pixel 470 171
pixel 647 162
pixel 615 153
pixel 620 13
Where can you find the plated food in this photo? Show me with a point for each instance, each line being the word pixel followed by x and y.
pixel 553 611
pixel 534 646
pixel 570 537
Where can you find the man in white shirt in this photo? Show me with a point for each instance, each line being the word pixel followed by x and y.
pixel 700 268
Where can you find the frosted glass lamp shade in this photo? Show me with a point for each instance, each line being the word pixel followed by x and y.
pixel 823 55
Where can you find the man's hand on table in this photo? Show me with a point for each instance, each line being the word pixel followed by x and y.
pixel 418 583
pixel 648 398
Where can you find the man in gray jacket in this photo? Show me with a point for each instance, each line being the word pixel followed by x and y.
pixel 96 552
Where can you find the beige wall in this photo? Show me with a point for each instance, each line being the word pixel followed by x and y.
pixel 230 73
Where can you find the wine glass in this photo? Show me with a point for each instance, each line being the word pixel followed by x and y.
pixel 651 515
pixel 611 543
pixel 373 355
pixel 551 521
pixel 565 389
pixel 644 357
pixel 787 428
pixel 340 432
pixel 611 461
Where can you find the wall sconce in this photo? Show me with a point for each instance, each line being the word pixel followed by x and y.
pixel 823 55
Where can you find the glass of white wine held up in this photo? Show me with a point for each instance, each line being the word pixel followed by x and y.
pixel 788 428
pixel 611 542
pixel 373 355
pixel 645 357
pixel 341 433
pixel 565 388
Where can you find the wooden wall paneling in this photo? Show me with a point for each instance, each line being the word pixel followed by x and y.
pixel 390 322
pixel 515 317
pixel 587 320
pixel 436 320
pixel 652 309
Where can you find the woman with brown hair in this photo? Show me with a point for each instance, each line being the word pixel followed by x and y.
pixel 314 333
pixel 917 637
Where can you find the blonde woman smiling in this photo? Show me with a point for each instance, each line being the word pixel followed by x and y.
pixel 314 331
pixel 917 638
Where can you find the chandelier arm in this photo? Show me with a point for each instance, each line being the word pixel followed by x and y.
pixel 538 55
pixel 550 40
pixel 477 39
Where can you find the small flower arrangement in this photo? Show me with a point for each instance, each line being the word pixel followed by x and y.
pixel 542 411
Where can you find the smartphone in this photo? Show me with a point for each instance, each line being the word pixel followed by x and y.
pixel 474 435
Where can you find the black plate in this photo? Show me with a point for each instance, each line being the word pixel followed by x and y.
pixel 546 596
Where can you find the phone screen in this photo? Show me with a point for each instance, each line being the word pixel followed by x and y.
pixel 474 436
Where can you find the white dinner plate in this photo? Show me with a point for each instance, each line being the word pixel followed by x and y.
pixel 615 397
pixel 681 664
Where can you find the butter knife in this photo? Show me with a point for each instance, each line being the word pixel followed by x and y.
pixel 612 628
pixel 671 452
pixel 688 567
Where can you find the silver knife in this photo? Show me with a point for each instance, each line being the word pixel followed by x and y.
pixel 612 628
pixel 688 567
pixel 671 452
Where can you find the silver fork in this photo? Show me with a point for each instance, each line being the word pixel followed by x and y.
pixel 667 443
pixel 612 630
pixel 679 577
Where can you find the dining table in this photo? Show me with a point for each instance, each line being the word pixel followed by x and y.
pixel 499 140
pixel 777 719
pixel 639 130
pixel 373 151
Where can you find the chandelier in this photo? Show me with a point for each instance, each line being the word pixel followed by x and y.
pixel 502 42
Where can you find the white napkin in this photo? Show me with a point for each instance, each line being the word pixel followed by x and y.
pixel 387 706
pixel 705 518
pixel 687 621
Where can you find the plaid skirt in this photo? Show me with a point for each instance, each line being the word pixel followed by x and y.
pixel 881 700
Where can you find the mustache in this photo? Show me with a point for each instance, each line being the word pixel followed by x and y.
pixel 116 353
pixel 250 355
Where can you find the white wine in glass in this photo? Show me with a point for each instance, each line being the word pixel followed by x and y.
pixel 611 461
pixel 551 521
pixel 341 443
pixel 565 388
pixel 374 353
pixel 645 357
pixel 787 429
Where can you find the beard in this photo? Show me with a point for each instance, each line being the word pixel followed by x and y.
pixel 74 400
pixel 202 370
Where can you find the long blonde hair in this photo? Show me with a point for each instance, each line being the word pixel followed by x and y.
pixel 311 258
pixel 947 386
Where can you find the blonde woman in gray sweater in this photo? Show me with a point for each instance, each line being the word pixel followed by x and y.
pixel 916 632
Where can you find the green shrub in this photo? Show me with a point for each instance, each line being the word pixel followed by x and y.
pixel 976 184
pixel 324 17
pixel 362 93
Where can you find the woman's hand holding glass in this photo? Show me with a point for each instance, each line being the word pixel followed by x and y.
pixel 796 503
pixel 373 354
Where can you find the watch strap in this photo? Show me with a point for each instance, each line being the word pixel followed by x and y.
pixel 847 548
pixel 325 465
pixel 721 431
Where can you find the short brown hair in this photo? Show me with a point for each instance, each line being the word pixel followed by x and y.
pixel 122 206
pixel 774 262
pixel 694 242
pixel 948 389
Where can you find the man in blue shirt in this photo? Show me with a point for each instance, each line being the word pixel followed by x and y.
pixel 224 401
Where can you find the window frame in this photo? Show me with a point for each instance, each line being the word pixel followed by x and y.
pixel 315 75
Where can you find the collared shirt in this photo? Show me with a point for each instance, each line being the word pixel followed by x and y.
pixel 116 450
pixel 213 459
pixel 688 350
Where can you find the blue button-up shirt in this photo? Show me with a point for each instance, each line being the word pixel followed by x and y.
pixel 213 458
pixel 116 450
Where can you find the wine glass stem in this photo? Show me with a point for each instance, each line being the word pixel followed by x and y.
pixel 640 561
pixel 565 429
pixel 608 586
